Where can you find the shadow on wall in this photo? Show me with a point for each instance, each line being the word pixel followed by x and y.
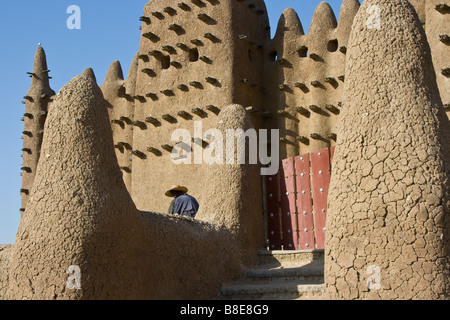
pixel 87 223
pixel 187 259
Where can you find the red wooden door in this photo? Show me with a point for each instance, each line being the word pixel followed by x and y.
pixel 297 202
pixel 304 203
pixel 287 204
pixel 320 169
pixel 273 213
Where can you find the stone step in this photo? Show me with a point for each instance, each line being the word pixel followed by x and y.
pixel 276 290
pixel 280 275
pixel 309 273
pixel 279 258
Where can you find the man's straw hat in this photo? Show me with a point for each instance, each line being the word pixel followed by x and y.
pixel 176 188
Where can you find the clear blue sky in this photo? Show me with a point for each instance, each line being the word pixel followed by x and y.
pixel 109 31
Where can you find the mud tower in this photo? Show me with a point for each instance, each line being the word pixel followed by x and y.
pixel 36 105
pixel 388 222
pixel 96 174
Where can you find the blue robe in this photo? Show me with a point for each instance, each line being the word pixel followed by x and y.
pixel 185 205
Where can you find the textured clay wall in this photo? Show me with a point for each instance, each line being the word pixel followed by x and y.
pixel 438 33
pixel 234 196
pixel 185 74
pixel 36 105
pixel 388 223
pixel 303 75
pixel 118 93
pixel 80 214
pixel 6 252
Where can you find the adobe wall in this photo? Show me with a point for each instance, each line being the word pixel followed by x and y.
pixel 36 104
pixel 233 197
pixel 438 32
pixel 388 219
pixel 81 214
pixel 303 75
pixel 186 61
pixel 6 252
pixel 118 93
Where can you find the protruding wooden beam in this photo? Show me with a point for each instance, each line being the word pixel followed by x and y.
pixel 283 62
pixel 176 27
pixel 140 125
pixel 26 169
pixel 126 169
pixel 169 49
pixel 139 98
pixel 330 80
pixel 314 108
pixel 184 6
pixel 302 86
pixel 314 56
pixel 155 53
pixel 195 84
pixel 206 59
pixel 167 147
pixel 302 139
pixel 176 64
pixel 168 92
pixel 204 17
pixel 139 154
pixel 144 57
pixel 443 8
pixel 169 118
pixel 126 120
pixel 212 80
pixel 445 38
pixel 151 36
pixel 199 3
pixel 145 19
pixel 152 96
pixel 211 37
pixel 199 112
pixel 282 113
pixel 332 136
pixel 332 108
pixel 213 109
pixel 182 46
pixel 303 111
pixel 118 122
pixel 153 121
pixel 155 151
pixel 185 115
pixel 170 11
pixel 158 15
pixel 197 42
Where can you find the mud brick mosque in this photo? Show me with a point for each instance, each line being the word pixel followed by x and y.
pixel 370 89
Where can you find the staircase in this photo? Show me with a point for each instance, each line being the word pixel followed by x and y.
pixel 280 275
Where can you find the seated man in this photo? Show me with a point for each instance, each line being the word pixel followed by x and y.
pixel 183 204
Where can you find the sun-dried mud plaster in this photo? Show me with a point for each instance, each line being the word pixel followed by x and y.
pixel 94 172
pixel 388 223
pixel 81 221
